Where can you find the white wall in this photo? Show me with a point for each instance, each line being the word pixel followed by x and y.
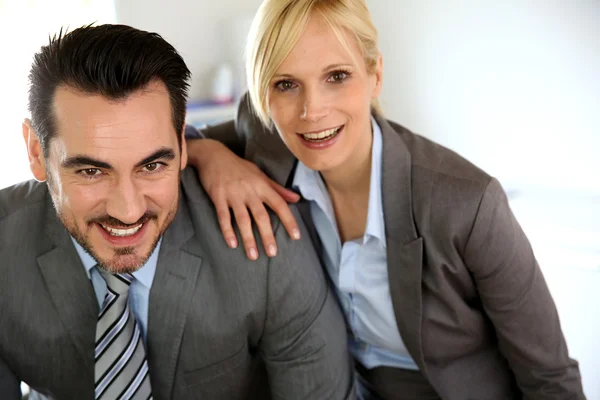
pixel 205 32
pixel 513 85
pixel 24 28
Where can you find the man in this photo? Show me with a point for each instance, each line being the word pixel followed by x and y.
pixel 114 279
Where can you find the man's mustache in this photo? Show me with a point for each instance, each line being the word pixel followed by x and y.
pixel 114 222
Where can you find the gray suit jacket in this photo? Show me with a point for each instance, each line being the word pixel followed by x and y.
pixel 220 326
pixel 470 301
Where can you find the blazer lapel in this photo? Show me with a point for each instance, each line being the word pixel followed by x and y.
pixel 170 298
pixel 70 290
pixel 404 246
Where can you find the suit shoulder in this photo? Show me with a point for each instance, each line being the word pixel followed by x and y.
pixel 205 220
pixel 22 210
pixel 197 197
pixel 192 187
pixel 447 189
pixel 434 159
pixel 21 198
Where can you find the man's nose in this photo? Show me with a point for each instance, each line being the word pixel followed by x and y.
pixel 127 203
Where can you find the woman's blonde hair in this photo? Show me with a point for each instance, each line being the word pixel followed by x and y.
pixel 277 27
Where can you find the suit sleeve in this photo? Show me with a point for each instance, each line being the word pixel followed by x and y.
pixel 10 387
pixel 192 133
pixel 227 134
pixel 516 298
pixel 304 344
pixel 234 134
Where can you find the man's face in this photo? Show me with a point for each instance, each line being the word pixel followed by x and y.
pixel 113 172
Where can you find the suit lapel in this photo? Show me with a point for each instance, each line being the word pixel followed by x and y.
pixel 70 290
pixel 404 246
pixel 170 298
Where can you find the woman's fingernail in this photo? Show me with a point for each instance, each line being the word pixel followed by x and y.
pixel 232 243
pixel 296 233
pixel 253 253
pixel 272 250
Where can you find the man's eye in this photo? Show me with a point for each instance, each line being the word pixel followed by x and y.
pixel 152 167
pixel 91 171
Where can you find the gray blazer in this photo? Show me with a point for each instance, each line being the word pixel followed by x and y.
pixel 470 301
pixel 220 326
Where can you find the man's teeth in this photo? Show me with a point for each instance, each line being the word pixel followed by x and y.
pixel 122 232
pixel 321 135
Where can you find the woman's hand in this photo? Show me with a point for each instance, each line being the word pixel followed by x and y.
pixel 237 184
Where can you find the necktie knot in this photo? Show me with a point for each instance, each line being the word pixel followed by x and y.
pixel 118 283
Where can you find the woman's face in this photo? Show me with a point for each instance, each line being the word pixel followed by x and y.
pixel 319 99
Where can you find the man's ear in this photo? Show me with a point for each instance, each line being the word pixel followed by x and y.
pixel 37 162
pixel 184 156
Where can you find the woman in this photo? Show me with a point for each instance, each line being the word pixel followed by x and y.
pixel 440 287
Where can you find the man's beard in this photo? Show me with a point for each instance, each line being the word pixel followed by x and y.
pixel 83 241
pixel 118 266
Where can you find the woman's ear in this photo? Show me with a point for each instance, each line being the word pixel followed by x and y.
pixel 378 77
pixel 37 162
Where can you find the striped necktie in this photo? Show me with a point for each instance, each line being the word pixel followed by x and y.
pixel 121 369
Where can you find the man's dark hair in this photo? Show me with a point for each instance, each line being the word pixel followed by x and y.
pixel 111 60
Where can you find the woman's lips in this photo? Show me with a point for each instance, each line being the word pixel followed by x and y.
pixel 322 139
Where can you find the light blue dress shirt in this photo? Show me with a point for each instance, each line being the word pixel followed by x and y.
pixel 358 268
pixel 139 291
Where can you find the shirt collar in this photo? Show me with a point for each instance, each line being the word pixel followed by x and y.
pixel 312 188
pixel 145 275
pixel 375 219
pixel 308 182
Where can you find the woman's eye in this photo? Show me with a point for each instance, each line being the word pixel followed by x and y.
pixel 338 76
pixel 285 85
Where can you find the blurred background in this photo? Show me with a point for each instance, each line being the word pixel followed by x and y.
pixel 512 85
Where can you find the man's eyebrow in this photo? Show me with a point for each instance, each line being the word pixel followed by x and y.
pixel 160 154
pixel 85 161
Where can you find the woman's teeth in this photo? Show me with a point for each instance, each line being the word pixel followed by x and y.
pixel 122 232
pixel 321 136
